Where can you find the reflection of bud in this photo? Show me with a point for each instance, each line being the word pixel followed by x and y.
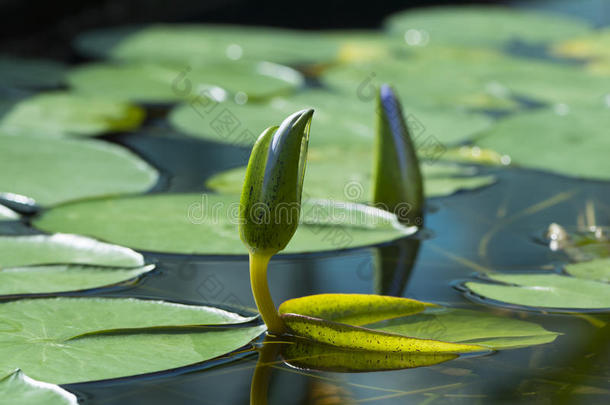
pixel 187 87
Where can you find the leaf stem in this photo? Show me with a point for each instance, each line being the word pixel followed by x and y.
pixel 262 296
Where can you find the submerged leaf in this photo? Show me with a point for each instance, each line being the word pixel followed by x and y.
pixel 207 224
pixel 55 170
pixel 64 248
pixel 62 278
pixel 548 291
pixel 311 355
pixel 69 114
pixel 69 340
pixel 353 309
pixel 19 389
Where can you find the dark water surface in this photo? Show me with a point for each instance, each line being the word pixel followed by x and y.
pixel 494 228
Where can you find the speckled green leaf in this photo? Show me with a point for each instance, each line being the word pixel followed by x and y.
pixel 19 389
pixel 482 26
pixel 548 140
pixel 353 309
pixel 68 340
pixel 69 114
pixel 548 291
pixel 598 270
pixel 17 251
pixel 164 83
pixel 207 224
pixel 54 170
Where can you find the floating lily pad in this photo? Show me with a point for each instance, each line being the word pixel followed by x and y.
pixel 207 224
pixel 17 251
pixel 71 114
pixel 482 26
pixel 340 119
pixel 7 214
pixel 69 340
pixel 548 291
pixel 30 73
pixel 465 326
pixel 345 175
pixel 203 43
pixel 19 389
pixel 164 83
pixel 457 82
pixel 54 170
pixel 63 277
pixel 572 142
pixel 595 45
pixel 598 270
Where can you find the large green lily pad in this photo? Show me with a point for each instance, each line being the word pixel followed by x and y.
pixel 573 142
pixel 29 250
pixel 340 119
pixel 54 170
pixel 548 291
pixel 598 269
pixel 69 340
pixel 482 26
pixel 466 326
pixel 70 114
pixel 207 224
pixel 344 174
pixel 64 277
pixel 19 389
pixel 30 73
pixel 163 83
pixel 203 43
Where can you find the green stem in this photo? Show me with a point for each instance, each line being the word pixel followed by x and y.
pixel 262 297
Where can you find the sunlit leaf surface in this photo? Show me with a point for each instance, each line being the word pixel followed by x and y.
pixel 487 26
pixel 19 389
pixel 465 326
pixel 17 251
pixel 164 83
pixel 67 340
pixel 549 139
pixel 54 170
pixel 69 114
pixel 598 269
pixel 63 277
pixel 550 291
pixel 207 224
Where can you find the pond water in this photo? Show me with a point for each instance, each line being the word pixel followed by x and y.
pixel 497 227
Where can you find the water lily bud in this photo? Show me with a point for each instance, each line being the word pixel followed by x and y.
pixel 397 179
pixel 270 203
